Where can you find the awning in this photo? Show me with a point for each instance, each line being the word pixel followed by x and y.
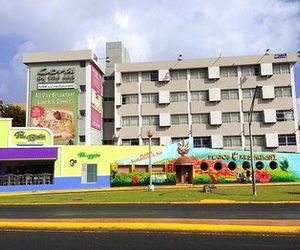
pixel 28 153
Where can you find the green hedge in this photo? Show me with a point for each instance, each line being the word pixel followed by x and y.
pixel 202 179
pixel 138 179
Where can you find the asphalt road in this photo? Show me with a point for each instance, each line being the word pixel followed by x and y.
pixel 193 211
pixel 141 240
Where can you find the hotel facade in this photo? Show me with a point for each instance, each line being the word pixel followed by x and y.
pixel 208 100
pixel 204 99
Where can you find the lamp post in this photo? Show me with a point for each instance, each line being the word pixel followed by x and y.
pixel 151 186
pixel 107 59
pixel 251 142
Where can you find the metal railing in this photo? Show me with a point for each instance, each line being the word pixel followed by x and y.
pixel 26 179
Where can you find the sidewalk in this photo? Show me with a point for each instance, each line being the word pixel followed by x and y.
pixel 132 188
pixel 182 225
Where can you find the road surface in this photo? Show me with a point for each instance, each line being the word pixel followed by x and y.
pixel 193 211
pixel 141 240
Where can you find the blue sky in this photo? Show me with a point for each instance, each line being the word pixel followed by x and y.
pixel 151 30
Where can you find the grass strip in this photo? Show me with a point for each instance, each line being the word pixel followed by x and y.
pixel 221 194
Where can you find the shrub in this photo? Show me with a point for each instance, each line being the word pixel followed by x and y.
pixel 171 180
pixel 202 179
pixel 223 179
pixel 122 179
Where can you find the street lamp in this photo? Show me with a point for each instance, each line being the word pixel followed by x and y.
pixel 107 59
pixel 251 141
pixel 151 186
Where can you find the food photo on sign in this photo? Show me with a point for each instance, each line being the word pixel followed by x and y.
pixel 56 110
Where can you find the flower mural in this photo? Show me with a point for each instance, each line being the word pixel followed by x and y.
pixel 263 176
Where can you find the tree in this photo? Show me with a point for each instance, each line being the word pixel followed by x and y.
pixel 15 112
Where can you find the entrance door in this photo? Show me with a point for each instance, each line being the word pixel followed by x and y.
pixel 184 174
pixel 178 174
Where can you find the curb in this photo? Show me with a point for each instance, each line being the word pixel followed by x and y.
pixel 202 202
pixel 146 226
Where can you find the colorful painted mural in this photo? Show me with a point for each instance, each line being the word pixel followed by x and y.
pixel 182 163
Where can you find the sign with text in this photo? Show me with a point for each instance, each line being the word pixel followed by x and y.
pixel 30 137
pixel 57 111
pixel 96 112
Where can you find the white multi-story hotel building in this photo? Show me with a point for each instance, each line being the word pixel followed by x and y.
pixel 209 100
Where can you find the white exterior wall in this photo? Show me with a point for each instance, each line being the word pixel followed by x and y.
pixel 215 106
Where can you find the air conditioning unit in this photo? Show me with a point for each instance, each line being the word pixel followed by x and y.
pixel 214 72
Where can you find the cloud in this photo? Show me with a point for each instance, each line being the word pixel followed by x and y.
pixel 150 30
pixel 121 19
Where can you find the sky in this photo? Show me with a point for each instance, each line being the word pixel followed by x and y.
pixel 150 29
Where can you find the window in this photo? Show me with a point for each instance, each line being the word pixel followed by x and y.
pixel 199 95
pixel 228 71
pixel 199 73
pixel 124 168
pixel 82 64
pixel 112 77
pixel 230 94
pixel 129 99
pixel 257 116
pixel 178 74
pixel 82 88
pixel 141 168
pixel 82 112
pixel 284 115
pixel 130 121
pixel 154 141
pixel 178 139
pixel 232 141
pixel 286 140
pixel 281 68
pixel 250 70
pixel 108 120
pixel 150 120
pixel 283 91
pixel 89 173
pixel 249 93
pixel 108 99
pixel 258 140
pixel 130 77
pixel 108 142
pixel 150 76
pixel 200 118
pixel 179 119
pixel 129 142
pixel 150 98
pixel 82 138
pixel 202 142
pixel 231 117
pixel 178 97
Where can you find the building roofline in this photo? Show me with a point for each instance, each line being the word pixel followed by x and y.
pixel 207 62
pixel 62 56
